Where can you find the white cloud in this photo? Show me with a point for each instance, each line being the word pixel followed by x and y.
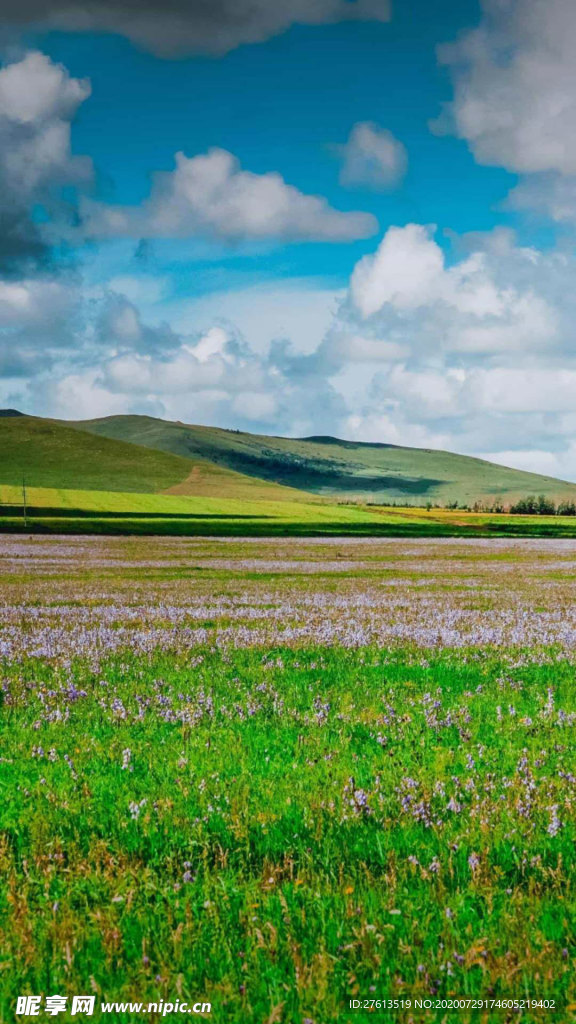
pixel 517 390
pixel 215 361
pixel 257 406
pixel 33 303
pixel 38 100
pixel 341 346
pixel 472 354
pixel 34 90
pixel 390 429
pixel 480 304
pixel 211 195
pixel 515 99
pixel 449 393
pixel 299 309
pixel 214 343
pixel 551 195
pixel 405 271
pixel 124 323
pixel 178 27
pixel 560 464
pixel 515 86
pixel 119 325
pixel 373 157
pixel 36 324
pixel 76 396
pixel 120 362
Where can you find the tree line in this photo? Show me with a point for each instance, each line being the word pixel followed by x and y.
pixel 542 506
pixel 531 505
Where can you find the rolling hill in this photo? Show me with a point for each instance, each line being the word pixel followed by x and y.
pixel 334 468
pixel 92 477
pixel 54 455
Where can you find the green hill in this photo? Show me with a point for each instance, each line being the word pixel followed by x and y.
pixel 336 468
pixel 52 454
pixel 138 454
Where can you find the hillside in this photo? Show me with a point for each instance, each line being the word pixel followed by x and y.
pixel 336 468
pixel 52 454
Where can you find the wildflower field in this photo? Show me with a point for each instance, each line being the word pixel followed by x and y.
pixel 278 775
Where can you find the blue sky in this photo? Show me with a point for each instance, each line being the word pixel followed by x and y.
pixel 369 231
pixel 284 105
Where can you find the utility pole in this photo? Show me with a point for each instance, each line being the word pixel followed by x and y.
pixel 24 509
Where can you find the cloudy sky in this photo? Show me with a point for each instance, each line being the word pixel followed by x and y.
pixel 347 217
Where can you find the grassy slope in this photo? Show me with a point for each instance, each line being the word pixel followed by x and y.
pixel 51 454
pixel 340 469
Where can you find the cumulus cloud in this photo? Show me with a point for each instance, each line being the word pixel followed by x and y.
pixel 452 359
pixel 406 272
pixel 372 157
pixel 470 352
pixel 551 195
pixel 32 303
pixel 214 361
pixel 487 302
pixel 299 308
pixel 179 27
pixel 102 356
pixel 36 324
pixel 38 100
pixel 454 393
pixel 515 86
pixel 515 99
pixel 119 325
pixel 35 90
pixel 216 376
pixel 474 352
pixel 211 195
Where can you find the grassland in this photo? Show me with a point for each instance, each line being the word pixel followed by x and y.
pixel 78 482
pixel 335 468
pixel 279 775
pixel 61 510
pixel 49 454
pixel 53 455
pixel 69 511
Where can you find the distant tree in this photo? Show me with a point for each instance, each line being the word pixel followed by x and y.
pixel 525 506
pixel 566 508
pixel 534 506
pixel 546 507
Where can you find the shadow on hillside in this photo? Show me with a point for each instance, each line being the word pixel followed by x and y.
pixel 323 475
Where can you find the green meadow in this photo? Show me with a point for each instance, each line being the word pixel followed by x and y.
pixel 287 849
pixel 63 510
pixel 276 748
pixel 277 776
